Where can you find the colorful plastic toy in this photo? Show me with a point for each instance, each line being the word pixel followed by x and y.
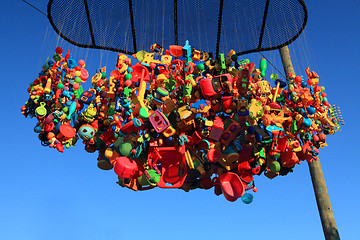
pixel 183 119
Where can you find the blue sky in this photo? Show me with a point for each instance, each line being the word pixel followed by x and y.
pixel 48 195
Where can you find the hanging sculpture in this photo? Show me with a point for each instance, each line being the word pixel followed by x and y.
pixel 180 118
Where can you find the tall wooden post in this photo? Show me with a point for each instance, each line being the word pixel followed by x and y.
pixel 317 176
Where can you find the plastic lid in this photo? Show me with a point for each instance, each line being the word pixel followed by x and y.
pixel 67 131
pixel 275 166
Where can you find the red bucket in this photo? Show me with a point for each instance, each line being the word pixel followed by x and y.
pixel 231 186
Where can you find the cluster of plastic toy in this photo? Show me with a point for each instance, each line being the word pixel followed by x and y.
pixel 181 119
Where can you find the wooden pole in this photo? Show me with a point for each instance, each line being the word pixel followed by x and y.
pixel 317 176
pixel 323 201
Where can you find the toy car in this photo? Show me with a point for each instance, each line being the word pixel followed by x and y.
pixel 212 86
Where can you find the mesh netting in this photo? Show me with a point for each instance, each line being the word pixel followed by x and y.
pixel 211 25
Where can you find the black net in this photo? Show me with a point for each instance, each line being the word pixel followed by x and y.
pixel 211 25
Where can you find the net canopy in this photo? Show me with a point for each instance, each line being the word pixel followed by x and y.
pixel 212 25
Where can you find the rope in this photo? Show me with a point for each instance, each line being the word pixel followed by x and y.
pixel 35 8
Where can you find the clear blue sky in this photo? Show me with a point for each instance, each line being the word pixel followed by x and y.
pixel 48 195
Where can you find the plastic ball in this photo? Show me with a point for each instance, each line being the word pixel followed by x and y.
pixel 60 86
pixel 234 57
pixel 298 79
pixel 316 138
pixel 322 137
pixel 37 129
pixel 81 62
pixel 78 80
pixel 77 73
pixel 128 83
pixel 303 84
pixel 56 57
pixel 76 86
pixel 129 70
pixel 58 50
pixel 128 76
pixel 247 198
pixel 200 67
